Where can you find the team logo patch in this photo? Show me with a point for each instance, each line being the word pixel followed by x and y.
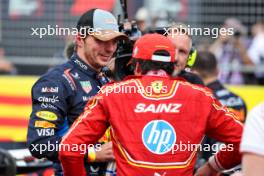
pixel 86 85
pixel 156 86
pixel 47 115
pixel 159 136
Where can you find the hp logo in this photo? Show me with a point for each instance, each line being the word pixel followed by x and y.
pixel 159 136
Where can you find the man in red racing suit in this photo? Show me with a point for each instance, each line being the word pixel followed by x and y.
pixel 156 121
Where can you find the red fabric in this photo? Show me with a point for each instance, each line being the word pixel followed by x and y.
pixel 73 166
pixel 144 50
pixel 81 6
pixel 195 113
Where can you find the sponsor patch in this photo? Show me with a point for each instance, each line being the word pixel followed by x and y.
pixel 50 89
pixel 68 77
pixel 44 124
pixel 158 108
pixel 86 85
pixel 75 75
pixel 158 136
pixel 48 106
pixel 231 101
pixel 47 115
pixel 52 99
pixel 85 98
pixel 81 64
pixel 45 132
pixel 110 21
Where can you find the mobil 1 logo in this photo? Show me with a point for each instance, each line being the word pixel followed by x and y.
pixel 158 136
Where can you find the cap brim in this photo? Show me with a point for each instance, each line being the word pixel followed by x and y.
pixel 107 35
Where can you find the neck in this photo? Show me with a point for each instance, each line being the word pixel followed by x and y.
pixel 209 80
pixel 157 73
pixel 82 57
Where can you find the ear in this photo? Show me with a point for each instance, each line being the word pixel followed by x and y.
pixel 79 41
pixel 137 70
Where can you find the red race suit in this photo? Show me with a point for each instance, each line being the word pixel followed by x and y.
pixel 157 124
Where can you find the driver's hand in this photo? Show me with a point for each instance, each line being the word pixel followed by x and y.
pixel 206 170
pixel 105 154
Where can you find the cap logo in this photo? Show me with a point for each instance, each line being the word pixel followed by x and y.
pixel 110 21
pixel 135 51
pixel 106 33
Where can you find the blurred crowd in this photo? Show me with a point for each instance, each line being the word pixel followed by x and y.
pixel 238 55
pixel 6 67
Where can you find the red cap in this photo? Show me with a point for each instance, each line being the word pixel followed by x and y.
pixel 154 47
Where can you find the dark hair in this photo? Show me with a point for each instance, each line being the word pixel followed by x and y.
pixel 205 64
pixel 69 49
pixel 147 65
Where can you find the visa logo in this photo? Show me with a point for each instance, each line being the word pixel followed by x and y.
pixel 45 132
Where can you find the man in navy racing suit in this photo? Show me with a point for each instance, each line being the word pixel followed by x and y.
pixel 180 37
pixel 206 68
pixel 60 95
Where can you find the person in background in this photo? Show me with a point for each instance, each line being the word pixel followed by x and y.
pixel 60 54
pixel 6 67
pixel 205 67
pixel 253 142
pixel 142 17
pixel 231 50
pixel 60 95
pixel 144 124
pixel 256 51
pixel 182 41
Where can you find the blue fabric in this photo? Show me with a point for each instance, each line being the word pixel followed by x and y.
pixel 58 98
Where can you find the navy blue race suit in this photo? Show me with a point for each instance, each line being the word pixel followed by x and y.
pixel 233 102
pixel 229 99
pixel 191 77
pixel 58 98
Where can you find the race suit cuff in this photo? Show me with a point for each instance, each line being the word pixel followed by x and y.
pixel 214 163
pixel 91 154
